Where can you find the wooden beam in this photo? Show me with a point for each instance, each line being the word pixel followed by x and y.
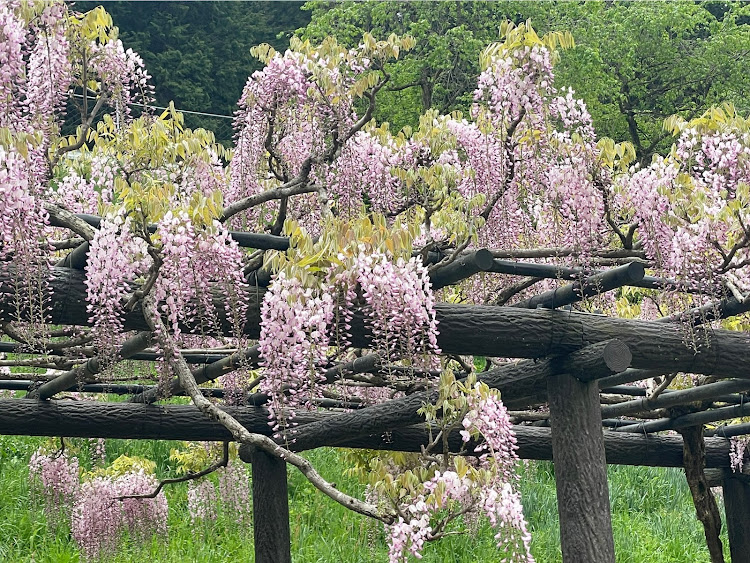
pixel 737 512
pixel 468 329
pixel 517 382
pixel 682 397
pixel 594 285
pixel 692 419
pixel 270 507
pixel 580 471
pixel 92 419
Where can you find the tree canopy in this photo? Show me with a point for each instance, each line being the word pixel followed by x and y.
pixel 629 64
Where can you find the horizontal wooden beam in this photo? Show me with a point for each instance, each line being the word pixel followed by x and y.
pixel 587 287
pixel 518 383
pixel 470 329
pixel 692 419
pixel 248 240
pixel 91 419
pixel 681 397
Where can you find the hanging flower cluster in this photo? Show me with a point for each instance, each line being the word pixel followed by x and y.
pixel 294 338
pixel 116 257
pixel 98 518
pixel 234 491
pixel 22 237
pixel 123 74
pixel 488 486
pixel 55 477
pixel 691 206
pixel 192 262
pixel 92 509
pixel 202 501
pixel 399 306
pixel 737 448
pixel 362 175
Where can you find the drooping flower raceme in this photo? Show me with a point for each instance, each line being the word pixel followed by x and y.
pixel 116 257
pixel 488 487
pixel 399 306
pixel 99 517
pixel 55 477
pixel 294 337
pixel 234 490
pixel 202 501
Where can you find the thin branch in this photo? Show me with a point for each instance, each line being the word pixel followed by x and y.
pixel 662 386
pixel 82 135
pixel 507 294
pixel 293 187
pixel 223 462
pixel 403 86
pixel 510 172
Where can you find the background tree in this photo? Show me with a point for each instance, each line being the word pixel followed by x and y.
pixel 440 73
pixel 199 52
pixel 637 63
pixel 630 64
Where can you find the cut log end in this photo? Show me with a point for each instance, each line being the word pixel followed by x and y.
pixel 617 355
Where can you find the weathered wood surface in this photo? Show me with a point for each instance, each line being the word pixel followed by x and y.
pixel 270 508
pixel 519 383
pixel 92 419
pixel 737 512
pixel 580 471
pixel 681 397
pixel 476 330
pixel 706 508
pixel 692 419
pixel 593 285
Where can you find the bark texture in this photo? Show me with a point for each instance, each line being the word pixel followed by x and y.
pixel 92 419
pixel 474 330
pixel 703 499
pixel 270 508
pixel 580 471
pixel 737 509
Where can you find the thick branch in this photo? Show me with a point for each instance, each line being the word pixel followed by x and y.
pixel 703 499
pixel 61 217
pixel 692 419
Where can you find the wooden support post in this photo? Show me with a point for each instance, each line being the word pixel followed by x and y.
pixel 270 507
pixel 737 509
pixel 580 470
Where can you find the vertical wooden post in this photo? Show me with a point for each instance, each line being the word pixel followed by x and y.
pixel 580 471
pixel 737 509
pixel 270 507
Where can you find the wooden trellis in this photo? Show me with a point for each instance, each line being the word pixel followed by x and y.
pixel 578 364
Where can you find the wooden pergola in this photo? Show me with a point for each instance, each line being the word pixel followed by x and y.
pixel 581 365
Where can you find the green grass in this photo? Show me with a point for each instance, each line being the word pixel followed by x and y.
pixel 652 514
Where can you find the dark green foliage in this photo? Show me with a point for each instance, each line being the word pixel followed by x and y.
pixel 441 72
pixel 199 52
pixel 635 62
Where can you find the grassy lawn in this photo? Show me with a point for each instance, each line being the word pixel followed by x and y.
pixel 653 518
